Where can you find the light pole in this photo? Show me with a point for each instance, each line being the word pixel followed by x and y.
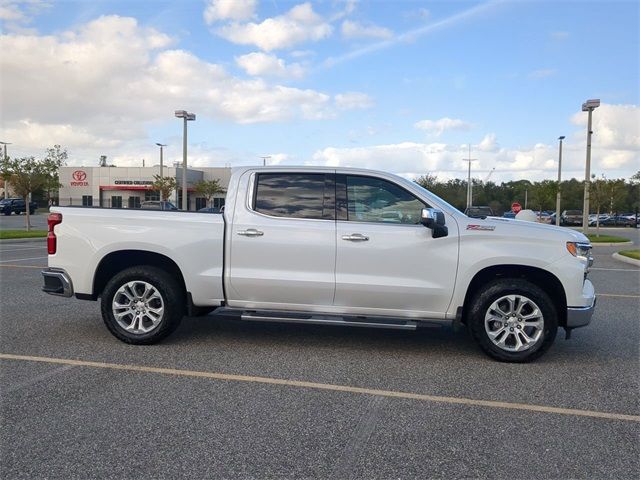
pixel 469 186
pixel 4 144
pixel 161 145
pixel 559 176
pixel 264 160
pixel 588 106
pixel 186 116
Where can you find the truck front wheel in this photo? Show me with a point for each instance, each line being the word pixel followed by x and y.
pixel 513 320
pixel 142 305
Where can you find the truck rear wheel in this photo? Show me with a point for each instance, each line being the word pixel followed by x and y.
pixel 513 320
pixel 142 305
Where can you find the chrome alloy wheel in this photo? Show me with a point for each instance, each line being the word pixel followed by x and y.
pixel 138 307
pixel 514 323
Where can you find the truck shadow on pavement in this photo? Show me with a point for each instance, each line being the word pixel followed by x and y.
pixel 226 329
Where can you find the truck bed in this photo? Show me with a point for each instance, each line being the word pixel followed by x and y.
pixel 193 241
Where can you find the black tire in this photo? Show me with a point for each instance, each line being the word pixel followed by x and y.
pixel 491 292
pixel 172 295
pixel 7 213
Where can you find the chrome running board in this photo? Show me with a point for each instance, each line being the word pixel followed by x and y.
pixel 315 319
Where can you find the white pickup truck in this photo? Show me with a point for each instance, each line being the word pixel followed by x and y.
pixel 331 246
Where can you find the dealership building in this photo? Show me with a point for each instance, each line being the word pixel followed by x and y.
pixel 128 187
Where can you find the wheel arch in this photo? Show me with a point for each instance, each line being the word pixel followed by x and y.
pixel 544 279
pixel 117 261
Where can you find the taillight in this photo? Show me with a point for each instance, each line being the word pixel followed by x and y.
pixel 53 220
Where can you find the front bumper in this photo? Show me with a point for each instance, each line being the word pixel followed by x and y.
pixel 57 282
pixel 580 316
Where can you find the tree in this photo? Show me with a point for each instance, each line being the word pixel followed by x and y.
pixel 164 185
pixel 598 196
pixel 28 174
pixel 543 194
pixel 209 188
pixel 428 181
pixel 617 195
pixel 56 156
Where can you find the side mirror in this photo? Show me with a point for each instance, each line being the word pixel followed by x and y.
pixel 435 220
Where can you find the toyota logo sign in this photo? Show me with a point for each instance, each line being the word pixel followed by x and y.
pixel 79 176
pixel 79 179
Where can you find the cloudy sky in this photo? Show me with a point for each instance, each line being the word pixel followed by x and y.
pixel 402 86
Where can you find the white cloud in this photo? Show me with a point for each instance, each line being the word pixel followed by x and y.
pixel 353 100
pixel 488 143
pixel 18 14
pixel 298 25
pixel 101 85
pixel 351 29
pixel 349 8
pixel 302 53
pixel 616 134
pixel 411 159
pixel 217 10
pixel 263 64
pixel 559 35
pixel 615 152
pixel 438 127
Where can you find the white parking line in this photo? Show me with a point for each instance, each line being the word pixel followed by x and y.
pixel 330 387
pixel 21 259
pixel 615 269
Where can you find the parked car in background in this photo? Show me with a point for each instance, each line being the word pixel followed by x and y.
pixel 617 221
pixel 571 217
pixel 157 205
pixel 509 214
pixel 210 210
pixel 17 206
pixel 478 212
pixel 594 219
pixel 630 216
pixel 543 217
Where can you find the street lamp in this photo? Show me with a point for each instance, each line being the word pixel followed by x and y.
pixel 161 145
pixel 186 116
pixel 559 175
pixel 588 106
pixel 5 158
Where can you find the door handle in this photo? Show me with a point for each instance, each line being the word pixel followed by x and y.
pixel 355 237
pixel 250 232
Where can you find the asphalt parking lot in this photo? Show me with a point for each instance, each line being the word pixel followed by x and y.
pixel 77 403
pixel 17 222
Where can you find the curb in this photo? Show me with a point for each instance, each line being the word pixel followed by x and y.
pixel 622 258
pixel 612 244
pixel 23 240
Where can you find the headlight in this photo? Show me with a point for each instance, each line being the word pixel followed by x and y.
pixel 581 250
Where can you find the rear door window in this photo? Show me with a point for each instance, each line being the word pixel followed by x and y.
pixel 294 195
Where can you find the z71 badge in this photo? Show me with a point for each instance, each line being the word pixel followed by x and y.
pixel 481 227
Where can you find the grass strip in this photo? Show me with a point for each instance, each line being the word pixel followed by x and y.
pixel 10 234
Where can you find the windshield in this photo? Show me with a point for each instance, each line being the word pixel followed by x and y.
pixel 4 201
